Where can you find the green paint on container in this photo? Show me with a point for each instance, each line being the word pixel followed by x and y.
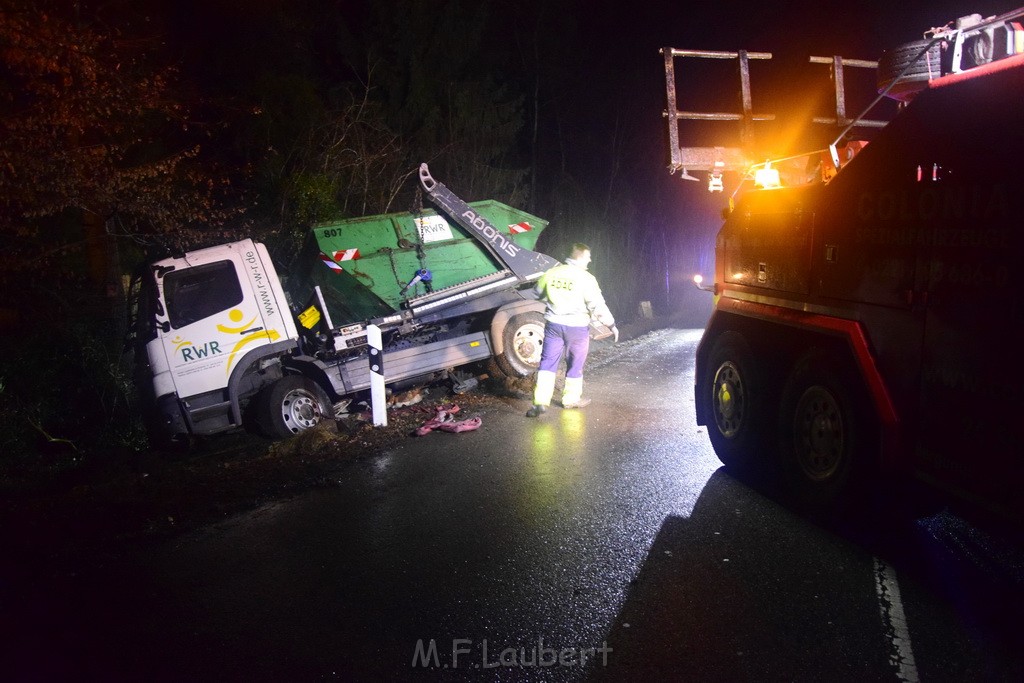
pixel 384 252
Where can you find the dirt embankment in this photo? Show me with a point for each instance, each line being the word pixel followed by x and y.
pixel 134 497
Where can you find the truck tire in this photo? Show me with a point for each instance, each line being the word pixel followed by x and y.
pixel 523 339
pixel 892 62
pixel 823 433
pixel 291 405
pixel 736 394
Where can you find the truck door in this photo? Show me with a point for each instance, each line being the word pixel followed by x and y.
pixel 214 311
pixel 971 392
pixel 972 381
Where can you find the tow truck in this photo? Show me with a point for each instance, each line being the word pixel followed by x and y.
pixel 868 325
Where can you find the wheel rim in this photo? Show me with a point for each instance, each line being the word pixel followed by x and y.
pixel 730 399
pixel 527 343
pixel 820 438
pixel 300 410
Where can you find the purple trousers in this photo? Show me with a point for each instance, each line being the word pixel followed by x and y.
pixel 574 341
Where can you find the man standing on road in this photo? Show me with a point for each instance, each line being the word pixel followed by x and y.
pixel 573 298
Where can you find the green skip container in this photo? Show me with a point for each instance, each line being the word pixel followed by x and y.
pixel 384 253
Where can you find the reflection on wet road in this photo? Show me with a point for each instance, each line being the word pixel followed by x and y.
pixel 597 544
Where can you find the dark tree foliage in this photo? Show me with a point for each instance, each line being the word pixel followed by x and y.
pixel 96 146
pixel 91 126
pixel 441 80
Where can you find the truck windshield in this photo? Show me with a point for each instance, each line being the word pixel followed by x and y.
pixel 196 293
pixel 347 299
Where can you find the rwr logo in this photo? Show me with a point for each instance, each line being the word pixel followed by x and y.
pixel 191 352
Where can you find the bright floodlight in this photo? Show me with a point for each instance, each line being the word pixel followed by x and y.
pixel 767 177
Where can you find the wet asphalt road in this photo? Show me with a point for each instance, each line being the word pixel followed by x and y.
pixel 603 544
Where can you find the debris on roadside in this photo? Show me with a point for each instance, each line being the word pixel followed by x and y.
pixel 407 398
pixel 444 420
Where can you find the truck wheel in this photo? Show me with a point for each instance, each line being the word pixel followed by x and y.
pixel 822 432
pixel 892 62
pixel 523 338
pixel 735 391
pixel 293 404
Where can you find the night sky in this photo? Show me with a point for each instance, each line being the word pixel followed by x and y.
pixel 614 45
pixel 600 88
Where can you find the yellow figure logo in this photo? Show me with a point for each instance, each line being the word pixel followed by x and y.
pixel 179 342
pixel 236 315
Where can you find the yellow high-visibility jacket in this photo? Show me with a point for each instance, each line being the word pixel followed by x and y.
pixel 573 296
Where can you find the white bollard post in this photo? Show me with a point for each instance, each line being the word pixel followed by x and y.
pixel 377 397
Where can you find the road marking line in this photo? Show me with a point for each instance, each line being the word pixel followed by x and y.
pixel 894 621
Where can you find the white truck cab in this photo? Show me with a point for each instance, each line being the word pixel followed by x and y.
pixel 217 311
pixel 220 303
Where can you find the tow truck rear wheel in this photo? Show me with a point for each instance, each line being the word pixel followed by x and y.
pixel 293 404
pixel 822 433
pixel 523 338
pixel 735 391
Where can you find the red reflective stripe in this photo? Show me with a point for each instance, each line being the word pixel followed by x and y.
pixel 329 262
pixel 854 333
pixel 1006 64
pixel 346 255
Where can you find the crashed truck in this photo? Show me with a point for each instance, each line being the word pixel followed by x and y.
pixel 868 328
pixel 223 342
